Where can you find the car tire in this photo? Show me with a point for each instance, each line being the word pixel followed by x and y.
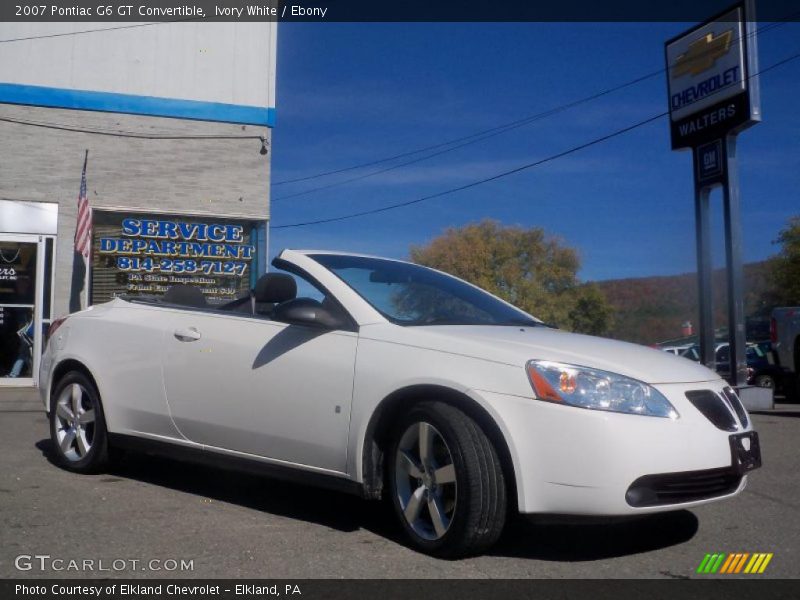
pixel 77 425
pixel 448 491
pixel 765 381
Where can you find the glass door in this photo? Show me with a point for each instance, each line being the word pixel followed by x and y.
pixel 21 297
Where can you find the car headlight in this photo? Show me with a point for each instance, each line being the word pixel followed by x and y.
pixel 596 389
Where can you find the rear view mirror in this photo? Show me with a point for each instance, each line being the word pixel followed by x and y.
pixel 305 311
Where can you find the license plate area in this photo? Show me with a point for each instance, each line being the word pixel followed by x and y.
pixel 745 452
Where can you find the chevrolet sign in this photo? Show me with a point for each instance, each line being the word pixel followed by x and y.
pixel 709 82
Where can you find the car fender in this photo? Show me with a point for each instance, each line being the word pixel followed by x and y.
pixel 82 360
pixel 362 460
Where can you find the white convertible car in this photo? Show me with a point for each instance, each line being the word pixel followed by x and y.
pixel 393 380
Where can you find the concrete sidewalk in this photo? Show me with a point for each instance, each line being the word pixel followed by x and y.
pixel 20 399
pixel 784 406
pixel 780 409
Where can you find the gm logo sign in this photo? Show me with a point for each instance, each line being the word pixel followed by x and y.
pixel 710 161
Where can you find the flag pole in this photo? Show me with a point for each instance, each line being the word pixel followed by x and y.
pixel 88 258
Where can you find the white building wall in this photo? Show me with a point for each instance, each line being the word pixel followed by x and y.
pixel 232 64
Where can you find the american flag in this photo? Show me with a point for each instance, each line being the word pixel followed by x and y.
pixel 83 231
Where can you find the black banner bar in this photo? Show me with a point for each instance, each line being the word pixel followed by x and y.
pixel 115 11
pixel 733 588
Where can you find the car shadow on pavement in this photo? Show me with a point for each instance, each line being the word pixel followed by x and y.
pixel 544 538
pixel 584 539
pixel 337 510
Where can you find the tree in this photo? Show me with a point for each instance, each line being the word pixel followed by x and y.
pixel 785 266
pixel 592 311
pixel 526 267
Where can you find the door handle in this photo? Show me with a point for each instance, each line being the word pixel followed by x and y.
pixel 190 334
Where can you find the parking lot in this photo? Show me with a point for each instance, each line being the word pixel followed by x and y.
pixel 233 525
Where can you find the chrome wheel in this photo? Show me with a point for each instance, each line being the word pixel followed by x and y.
pixel 425 480
pixel 75 422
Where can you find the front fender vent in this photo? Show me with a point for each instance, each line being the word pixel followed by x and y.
pixel 714 408
pixel 736 404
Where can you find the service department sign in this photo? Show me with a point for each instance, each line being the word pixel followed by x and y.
pixel 134 254
pixel 711 75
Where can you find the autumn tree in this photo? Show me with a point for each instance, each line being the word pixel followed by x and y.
pixel 526 267
pixel 785 266
pixel 592 312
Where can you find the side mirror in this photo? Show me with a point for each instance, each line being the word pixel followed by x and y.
pixel 305 311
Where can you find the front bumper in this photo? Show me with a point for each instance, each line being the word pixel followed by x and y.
pixel 570 460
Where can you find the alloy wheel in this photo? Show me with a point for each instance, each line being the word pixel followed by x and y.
pixel 425 480
pixel 75 422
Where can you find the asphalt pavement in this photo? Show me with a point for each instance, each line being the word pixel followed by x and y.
pixel 225 524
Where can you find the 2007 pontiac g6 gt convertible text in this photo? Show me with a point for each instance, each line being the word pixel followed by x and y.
pixel 390 379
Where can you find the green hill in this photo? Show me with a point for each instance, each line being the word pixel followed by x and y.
pixel 648 310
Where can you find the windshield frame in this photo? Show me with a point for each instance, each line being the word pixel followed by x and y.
pixel 524 320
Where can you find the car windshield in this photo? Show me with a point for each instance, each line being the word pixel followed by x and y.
pixel 408 294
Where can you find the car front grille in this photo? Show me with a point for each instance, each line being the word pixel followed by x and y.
pixel 678 488
pixel 714 408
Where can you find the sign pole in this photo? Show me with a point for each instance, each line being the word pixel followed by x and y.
pixel 712 81
pixel 703 232
pixel 733 253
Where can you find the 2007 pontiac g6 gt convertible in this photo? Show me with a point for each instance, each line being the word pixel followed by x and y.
pixel 389 379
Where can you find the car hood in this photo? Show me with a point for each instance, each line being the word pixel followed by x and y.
pixel 517 345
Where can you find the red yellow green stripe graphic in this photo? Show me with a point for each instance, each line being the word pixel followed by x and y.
pixel 736 562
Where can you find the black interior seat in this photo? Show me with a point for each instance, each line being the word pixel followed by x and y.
pixel 272 289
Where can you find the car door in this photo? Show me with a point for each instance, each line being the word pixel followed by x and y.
pixel 261 387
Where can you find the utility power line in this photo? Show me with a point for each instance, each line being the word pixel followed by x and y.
pixel 472 139
pixel 480 181
pixel 478 136
pixel 461 142
pixel 511 171
pixel 128 134
pixel 498 128
pixel 86 31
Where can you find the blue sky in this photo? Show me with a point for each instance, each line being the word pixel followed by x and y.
pixel 352 93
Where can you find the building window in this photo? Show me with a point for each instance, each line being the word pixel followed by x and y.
pixel 137 254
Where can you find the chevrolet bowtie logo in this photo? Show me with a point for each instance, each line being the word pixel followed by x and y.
pixel 702 54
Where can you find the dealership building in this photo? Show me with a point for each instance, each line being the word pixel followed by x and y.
pixel 171 125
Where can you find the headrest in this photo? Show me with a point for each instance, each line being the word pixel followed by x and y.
pixel 275 287
pixel 186 295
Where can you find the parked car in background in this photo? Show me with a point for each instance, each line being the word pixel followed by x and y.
pixel 676 350
pixel 691 352
pixel 766 366
pixel 762 367
pixel 389 379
